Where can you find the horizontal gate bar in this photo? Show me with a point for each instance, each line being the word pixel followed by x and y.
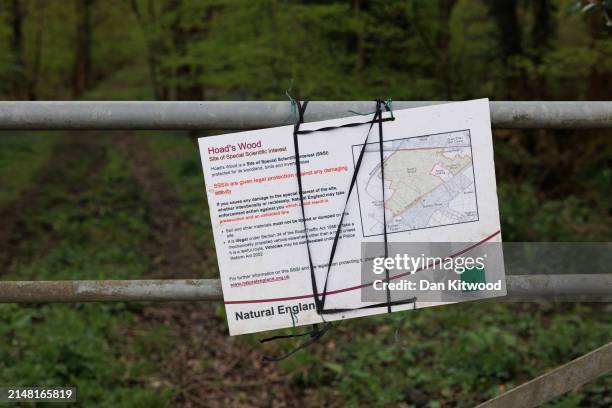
pixel 557 382
pixel 594 287
pixel 235 115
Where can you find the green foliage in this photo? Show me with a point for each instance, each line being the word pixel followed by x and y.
pixel 552 185
pixel 84 345
pixel 178 159
pixel 527 217
pixel 458 355
pixel 78 346
pixel 21 155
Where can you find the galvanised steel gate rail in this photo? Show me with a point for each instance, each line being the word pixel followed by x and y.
pixel 593 287
pixel 233 115
pixel 252 115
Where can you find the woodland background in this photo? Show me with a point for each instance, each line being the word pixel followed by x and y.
pixel 128 205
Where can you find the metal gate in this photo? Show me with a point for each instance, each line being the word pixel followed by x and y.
pixel 254 115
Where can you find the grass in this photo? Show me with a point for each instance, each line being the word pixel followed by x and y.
pixel 99 233
pixel 21 155
pixel 459 354
pixel 177 157
pixel 456 354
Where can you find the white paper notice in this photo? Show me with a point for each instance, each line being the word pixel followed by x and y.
pixel 439 181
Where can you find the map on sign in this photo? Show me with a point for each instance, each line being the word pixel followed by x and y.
pixel 429 182
pixel 273 246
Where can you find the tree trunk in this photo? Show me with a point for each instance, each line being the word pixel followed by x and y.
pixel 506 17
pixel 443 43
pixel 37 61
pixel 599 87
pixel 542 32
pixel 16 17
pixel 185 75
pixel 146 21
pixel 359 41
pixel 82 58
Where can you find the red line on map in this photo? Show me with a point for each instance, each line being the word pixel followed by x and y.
pixel 333 292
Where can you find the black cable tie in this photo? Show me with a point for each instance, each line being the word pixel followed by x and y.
pixel 316 334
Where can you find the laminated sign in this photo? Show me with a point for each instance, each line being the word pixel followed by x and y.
pixel 392 211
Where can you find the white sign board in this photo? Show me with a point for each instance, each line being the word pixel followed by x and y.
pixel 439 181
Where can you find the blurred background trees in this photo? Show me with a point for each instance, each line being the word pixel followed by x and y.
pixel 342 49
pixel 555 185
pixel 130 205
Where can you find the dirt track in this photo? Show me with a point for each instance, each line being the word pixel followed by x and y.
pixel 58 183
pixel 206 366
pixel 209 368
